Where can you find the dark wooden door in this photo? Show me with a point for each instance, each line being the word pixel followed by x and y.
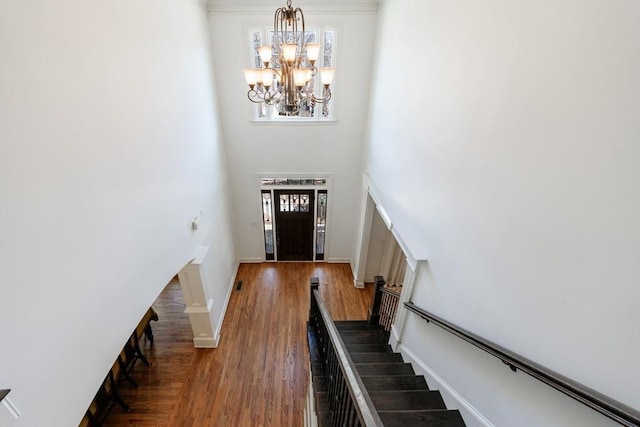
pixel 294 225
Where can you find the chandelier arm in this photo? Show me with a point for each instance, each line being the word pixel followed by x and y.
pixel 327 96
pixel 267 99
pixel 254 96
pixel 302 40
pixel 277 27
pixel 275 70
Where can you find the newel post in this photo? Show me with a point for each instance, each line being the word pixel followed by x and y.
pixel 374 310
pixel 315 284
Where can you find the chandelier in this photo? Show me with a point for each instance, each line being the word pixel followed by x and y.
pixel 286 79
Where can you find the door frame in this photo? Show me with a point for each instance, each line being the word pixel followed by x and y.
pixel 271 188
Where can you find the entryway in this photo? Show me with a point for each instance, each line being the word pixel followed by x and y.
pixel 294 217
pixel 294 224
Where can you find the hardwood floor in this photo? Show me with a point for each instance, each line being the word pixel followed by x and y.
pixel 258 374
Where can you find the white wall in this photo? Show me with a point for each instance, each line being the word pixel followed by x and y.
pixel 109 146
pixel 511 164
pixel 271 148
pixel 378 241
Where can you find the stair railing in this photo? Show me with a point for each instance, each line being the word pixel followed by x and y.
pixel 350 403
pixel 309 406
pixel 384 306
pixel 610 408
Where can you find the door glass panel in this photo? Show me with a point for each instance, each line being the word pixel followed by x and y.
pixel 284 203
pixel 295 206
pixel 293 181
pixel 304 203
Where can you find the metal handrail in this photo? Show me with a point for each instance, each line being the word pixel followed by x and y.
pixel 610 408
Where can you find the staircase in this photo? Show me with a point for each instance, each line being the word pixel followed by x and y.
pixel 400 397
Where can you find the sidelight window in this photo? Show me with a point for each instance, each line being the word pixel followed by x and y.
pixel 267 222
pixel 321 223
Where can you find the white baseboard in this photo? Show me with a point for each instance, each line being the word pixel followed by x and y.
pixel 339 260
pixel 251 260
pixel 449 394
pixel 216 335
pixel 394 339
pixel 205 342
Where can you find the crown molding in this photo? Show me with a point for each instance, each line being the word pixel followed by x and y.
pixel 201 4
pixel 253 7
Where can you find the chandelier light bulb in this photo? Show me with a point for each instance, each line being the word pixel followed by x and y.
pixel 299 77
pixel 289 52
pixel 267 77
pixel 251 76
pixel 265 54
pixel 326 75
pixel 313 50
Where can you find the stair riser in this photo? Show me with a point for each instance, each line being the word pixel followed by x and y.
pixel 365 369
pixel 442 418
pixel 407 400
pixel 368 348
pixel 389 383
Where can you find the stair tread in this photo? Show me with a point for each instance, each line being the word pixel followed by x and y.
pixel 395 382
pixel 365 369
pixel 317 366
pixel 368 348
pixel 356 324
pixel 322 402
pixel 320 383
pixel 363 332
pixel 407 400
pixel 434 418
pixel 324 419
pixel 376 357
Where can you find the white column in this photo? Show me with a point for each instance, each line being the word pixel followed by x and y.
pixel 193 280
pixel 362 247
pixel 409 280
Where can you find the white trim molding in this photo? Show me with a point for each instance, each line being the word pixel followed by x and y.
pixel 223 313
pixel 200 4
pixel 338 261
pixel 11 408
pixel 410 277
pixel 251 7
pixel 251 260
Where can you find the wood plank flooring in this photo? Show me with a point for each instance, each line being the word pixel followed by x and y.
pixel 258 374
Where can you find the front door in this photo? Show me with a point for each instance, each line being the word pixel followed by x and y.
pixel 294 224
